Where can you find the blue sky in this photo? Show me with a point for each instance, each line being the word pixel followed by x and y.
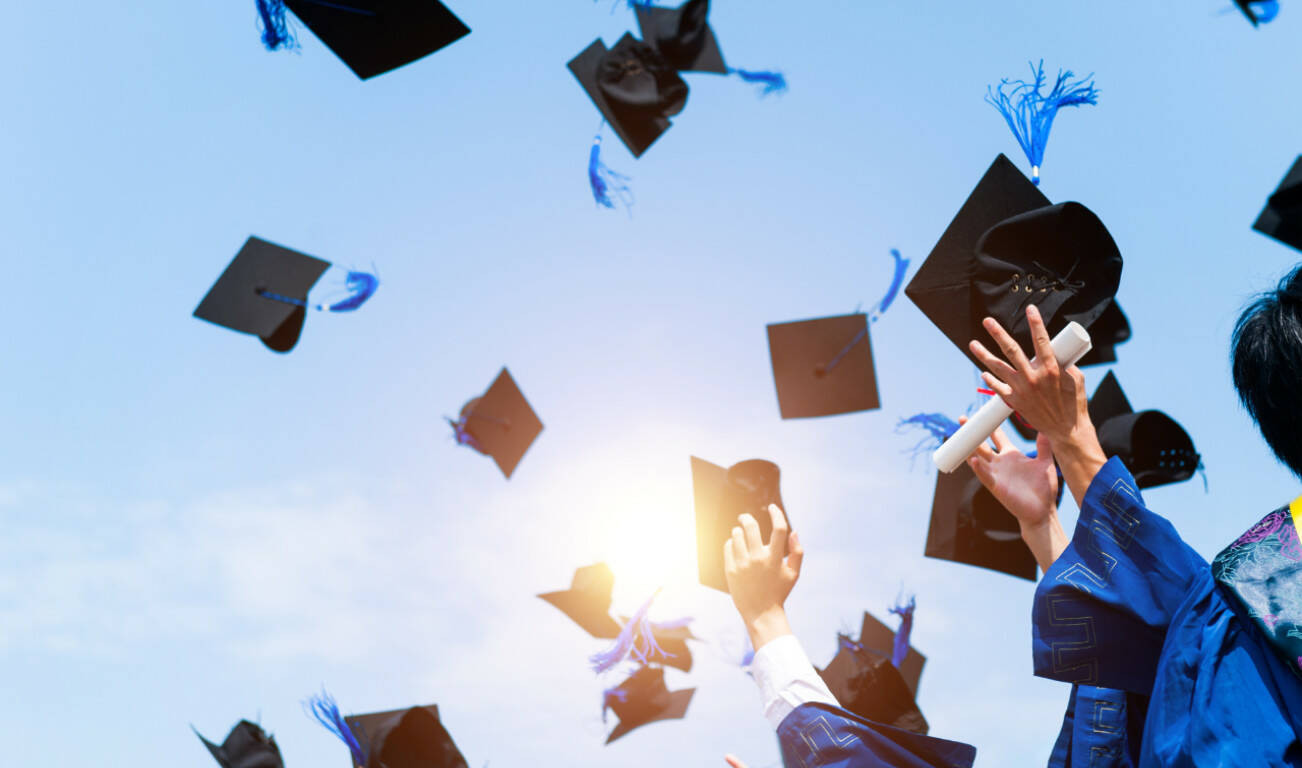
pixel 198 530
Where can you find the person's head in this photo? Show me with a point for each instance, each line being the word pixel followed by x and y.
pixel 1266 356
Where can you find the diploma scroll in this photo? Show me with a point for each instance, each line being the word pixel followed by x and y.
pixel 1069 345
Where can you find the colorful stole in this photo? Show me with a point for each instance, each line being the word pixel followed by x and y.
pixel 1262 571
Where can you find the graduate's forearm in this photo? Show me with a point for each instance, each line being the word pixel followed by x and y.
pixel 1047 541
pixel 766 626
pixel 1080 457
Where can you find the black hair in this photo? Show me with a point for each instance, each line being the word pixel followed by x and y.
pixel 1266 358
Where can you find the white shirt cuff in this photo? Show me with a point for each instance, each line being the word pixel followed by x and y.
pixel 786 679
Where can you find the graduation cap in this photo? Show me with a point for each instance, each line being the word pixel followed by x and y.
pixel 246 746
pixel 1153 446
pixel 682 35
pixel 1007 248
pixel 371 36
pixel 721 496
pixel 968 525
pixel 824 366
pixel 1110 329
pixel 587 601
pixel 405 738
pixel 263 292
pixel 643 699
pixel 635 89
pixel 1282 216
pixel 864 681
pixel 881 638
pixel 500 423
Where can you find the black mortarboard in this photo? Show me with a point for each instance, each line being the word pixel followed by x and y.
pixel 969 526
pixel 635 89
pixel 405 738
pixel 643 699
pixel 587 601
pixel 375 36
pixel 722 495
pixel 1110 329
pixel 1282 216
pixel 246 746
pixel 501 423
pixel 1153 446
pixel 881 638
pixel 1008 247
pixel 242 298
pixel 682 35
pixel 865 682
pixel 824 366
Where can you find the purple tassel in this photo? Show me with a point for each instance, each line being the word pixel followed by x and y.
pixel 604 181
pixel 771 82
pixel 901 267
pixel 609 695
pixel 636 640
pixel 905 612
pixel 326 711
pixel 462 435
pixel 275 27
pixel 1030 114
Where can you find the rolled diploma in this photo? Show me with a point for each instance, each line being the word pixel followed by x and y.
pixel 1069 345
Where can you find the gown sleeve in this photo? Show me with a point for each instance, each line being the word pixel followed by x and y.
pixel 819 735
pixel 1102 610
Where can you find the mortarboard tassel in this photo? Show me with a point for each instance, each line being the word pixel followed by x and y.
pixel 604 181
pixel 938 425
pixel 905 612
pixel 361 285
pixel 1030 114
pixel 627 645
pixel 901 267
pixel 275 27
pixel 322 706
pixel 609 695
pixel 772 82
pixel 462 435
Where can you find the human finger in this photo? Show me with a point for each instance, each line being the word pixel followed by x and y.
pixel 991 360
pixel 778 536
pixel 1040 341
pixel 753 539
pixel 734 761
pixel 740 555
pixel 1002 443
pixel 729 562
pixel 1043 448
pixel 1007 344
pixel 1000 388
pixel 984 452
pixel 795 555
pixel 982 470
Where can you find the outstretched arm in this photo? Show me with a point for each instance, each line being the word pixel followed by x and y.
pixel 760 578
pixel 1050 398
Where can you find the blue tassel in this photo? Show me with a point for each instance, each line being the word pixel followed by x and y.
pixel 1030 114
pixel 901 267
pixel 462 435
pixel 275 27
pixel 361 286
pixel 636 640
pixel 1262 11
pixel 938 426
pixel 326 711
pixel 604 181
pixel 771 82
pixel 609 695
pixel 905 612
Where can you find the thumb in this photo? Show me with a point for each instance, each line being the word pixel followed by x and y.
pixel 734 761
pixel 1043 448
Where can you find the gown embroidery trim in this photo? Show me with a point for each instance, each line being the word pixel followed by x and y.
pixel 1262 572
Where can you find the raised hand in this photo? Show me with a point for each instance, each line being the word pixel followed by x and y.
pixel 760 576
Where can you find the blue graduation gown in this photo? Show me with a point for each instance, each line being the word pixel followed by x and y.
pixel 1130 606
pixel 1098 728
pixel 823 736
